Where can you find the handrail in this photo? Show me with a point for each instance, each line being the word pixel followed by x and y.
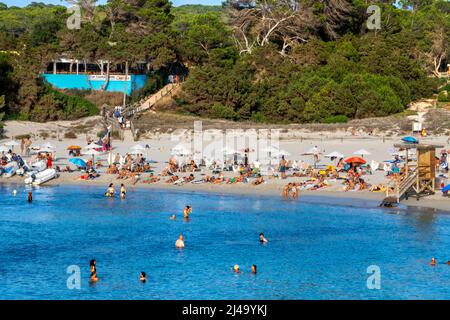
pixel 147 104
pixel 401 187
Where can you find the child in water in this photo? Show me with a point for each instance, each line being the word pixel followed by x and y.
pixel 262 239
pixel 30 197
pixel 123 191
pixel 143 277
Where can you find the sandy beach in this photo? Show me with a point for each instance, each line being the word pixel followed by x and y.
pixel 160 151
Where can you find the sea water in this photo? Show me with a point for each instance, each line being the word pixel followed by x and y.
pixel 318 248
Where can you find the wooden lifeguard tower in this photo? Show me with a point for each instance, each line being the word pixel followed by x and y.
pixel 418 178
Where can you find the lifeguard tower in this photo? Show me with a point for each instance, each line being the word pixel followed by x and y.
pixel 419 175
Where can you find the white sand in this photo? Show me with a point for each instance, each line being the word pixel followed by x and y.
pixel 161 147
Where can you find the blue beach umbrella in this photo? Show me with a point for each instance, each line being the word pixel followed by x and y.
pixel 78 162
pixel 410 139
pixel 446 188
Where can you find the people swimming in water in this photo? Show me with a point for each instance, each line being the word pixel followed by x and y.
pixel 143 277
pixel 30 197
pixel 187 211
pixel 93 268
pixel 262 239
pixel 180 242
pixel 123 191
pixel 110 191
pixel 173 217
pixel 236 268
pixel 254 268
pixel 433 262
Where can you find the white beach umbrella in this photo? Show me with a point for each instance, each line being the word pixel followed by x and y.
pixel 48 145
pixel 91 152
pixel 229 150
pixel 92 145
pixel 138 147
pixel 312 151
pixel 46 150
pixel 334 154
pixel 362 153
pixel 271 149
pixel 181 149
pixel 4 149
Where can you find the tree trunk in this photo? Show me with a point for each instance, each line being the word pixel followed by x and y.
pixel 125 85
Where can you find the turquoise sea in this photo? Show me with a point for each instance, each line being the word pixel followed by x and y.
pixel 319 248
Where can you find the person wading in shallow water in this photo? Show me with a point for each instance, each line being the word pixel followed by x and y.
pixel 93 268
pixel 186 212
pixel 30 197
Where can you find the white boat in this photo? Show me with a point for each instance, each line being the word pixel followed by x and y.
pixel 10 169
pixel 41 177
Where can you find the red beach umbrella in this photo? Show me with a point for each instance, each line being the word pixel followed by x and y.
pixel 357 160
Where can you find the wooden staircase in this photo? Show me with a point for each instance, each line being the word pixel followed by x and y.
pixel 401 189
pixel 150 101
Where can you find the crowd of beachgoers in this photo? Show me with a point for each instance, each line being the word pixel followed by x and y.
pixel 136 167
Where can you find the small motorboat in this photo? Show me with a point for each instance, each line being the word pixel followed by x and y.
pixel 10 169
pixel 41 177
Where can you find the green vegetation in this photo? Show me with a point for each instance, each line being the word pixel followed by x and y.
pixel 265 60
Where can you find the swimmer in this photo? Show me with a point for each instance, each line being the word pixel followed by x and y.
pixel 173 217
pixel 123 191
pixel 180 242
pixel 262 239
pixel 143 277
pixel 236 268
pixel 30 197
pixel 14 192
pixel 433 262
pixel 254 268
pixel 187 211
pixel 93 268
pixel 110 191
pixel 92 265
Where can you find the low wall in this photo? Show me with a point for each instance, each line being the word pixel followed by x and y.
pixel 82 81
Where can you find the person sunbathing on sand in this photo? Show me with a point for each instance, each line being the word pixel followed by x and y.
pixel 220 179
pixel 259 180
pixel 151 179
pixel 172 179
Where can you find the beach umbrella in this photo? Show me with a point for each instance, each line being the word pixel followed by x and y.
pixel 355 160
pixel 312 151
pixel 181 149
pixel 48 145
pixel 362 153
pixel 74 148
pixel 334 154
pixel 92 145
pixel 4 149
pixel 91 152
pixel 409 139
pixel 45 150
pixel 138 147
pixel 271 149
pixel 78 162
pixel 446 188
